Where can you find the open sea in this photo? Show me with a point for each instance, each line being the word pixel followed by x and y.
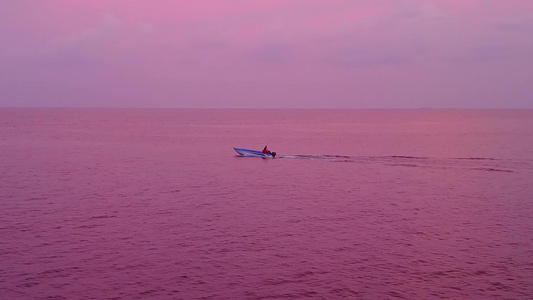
pixel 359 204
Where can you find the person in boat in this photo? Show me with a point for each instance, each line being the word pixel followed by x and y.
pixel 266 151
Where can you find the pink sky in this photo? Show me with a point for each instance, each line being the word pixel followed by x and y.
pixel 267 54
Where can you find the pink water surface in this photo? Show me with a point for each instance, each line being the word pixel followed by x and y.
pixel 360 204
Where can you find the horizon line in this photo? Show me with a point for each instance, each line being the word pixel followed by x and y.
pixel 267 108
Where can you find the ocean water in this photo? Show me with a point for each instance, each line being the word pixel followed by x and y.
pixel 359 204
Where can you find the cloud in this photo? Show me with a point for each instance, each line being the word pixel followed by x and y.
pixel 271 53
pixel 106 31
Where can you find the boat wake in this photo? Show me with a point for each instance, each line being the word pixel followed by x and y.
pixel 487 164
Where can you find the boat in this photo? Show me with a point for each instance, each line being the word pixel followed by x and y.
pixel 249 152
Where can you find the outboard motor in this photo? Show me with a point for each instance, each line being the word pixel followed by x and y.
pixel 273 154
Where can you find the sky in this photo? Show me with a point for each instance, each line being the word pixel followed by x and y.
pixel 267 54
